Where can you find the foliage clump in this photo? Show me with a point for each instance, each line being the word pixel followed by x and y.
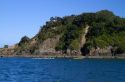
pixel 24 42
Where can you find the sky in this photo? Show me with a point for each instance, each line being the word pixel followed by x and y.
pixel 24 17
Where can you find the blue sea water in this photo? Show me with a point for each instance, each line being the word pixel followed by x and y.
pixel 61 70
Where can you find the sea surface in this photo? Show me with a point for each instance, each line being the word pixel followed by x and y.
pixel 61 70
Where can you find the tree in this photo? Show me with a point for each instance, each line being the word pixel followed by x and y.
pixel 24 40
pixel 5 46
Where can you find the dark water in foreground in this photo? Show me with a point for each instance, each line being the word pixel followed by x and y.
pixel 61 70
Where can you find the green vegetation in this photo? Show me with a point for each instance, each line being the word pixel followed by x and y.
pixel 24 43
pixel 70 38
pixel 105 30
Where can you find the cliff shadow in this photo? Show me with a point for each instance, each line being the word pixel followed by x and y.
pixel 85 51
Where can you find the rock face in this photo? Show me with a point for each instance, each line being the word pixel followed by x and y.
pixel 101 51
pixel 83 39
pixel 49 44
pixel 6 51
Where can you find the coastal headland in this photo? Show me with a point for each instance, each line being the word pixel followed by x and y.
pixel 88 35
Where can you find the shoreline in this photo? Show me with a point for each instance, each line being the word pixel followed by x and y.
pixel 73 57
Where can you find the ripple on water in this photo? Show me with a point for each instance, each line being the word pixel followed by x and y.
pixel 61 70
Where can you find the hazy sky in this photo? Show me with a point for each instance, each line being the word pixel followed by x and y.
pixel 24 17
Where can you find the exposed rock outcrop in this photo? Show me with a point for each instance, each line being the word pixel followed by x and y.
pixel 83 39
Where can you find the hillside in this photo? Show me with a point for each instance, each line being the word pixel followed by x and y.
pixel 100 33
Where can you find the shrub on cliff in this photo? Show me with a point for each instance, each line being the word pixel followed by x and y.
pixel 24 42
